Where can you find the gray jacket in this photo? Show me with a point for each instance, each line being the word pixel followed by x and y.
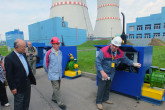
pixel 32 51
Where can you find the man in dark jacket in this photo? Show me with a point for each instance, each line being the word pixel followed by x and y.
pixel 19 76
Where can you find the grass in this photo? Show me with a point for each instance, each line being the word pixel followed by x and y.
pixel 86 61
pixel 4 50
pixel 158 56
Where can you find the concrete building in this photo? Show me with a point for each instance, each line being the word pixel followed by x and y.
pixel 108 22
pixel 11 36
pixel 75 12
pixel 152 26
pixel 42 32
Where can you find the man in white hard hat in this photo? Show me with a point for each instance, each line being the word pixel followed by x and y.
pixel 109 57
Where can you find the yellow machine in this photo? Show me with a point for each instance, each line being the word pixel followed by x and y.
pixel 71 70
pixel 154 93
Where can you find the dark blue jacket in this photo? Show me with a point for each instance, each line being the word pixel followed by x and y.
pixel 16 74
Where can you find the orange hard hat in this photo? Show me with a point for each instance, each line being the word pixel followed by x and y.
pixel 55 40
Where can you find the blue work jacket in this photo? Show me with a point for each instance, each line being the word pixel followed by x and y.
pixel 54 69
pixel 105 59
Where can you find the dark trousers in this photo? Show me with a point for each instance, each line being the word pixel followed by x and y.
pixel 22 99
pixel 103 90
pixel 3 95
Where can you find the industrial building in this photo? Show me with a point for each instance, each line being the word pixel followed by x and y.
pixel 42 32
pixel 11 36
pixel 152 26
pixel 75 12
pixel 108 23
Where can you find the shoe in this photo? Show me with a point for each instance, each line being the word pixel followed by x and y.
pixel 6 105
pixel 99 106
pixel 63 107
pixel 108 102
pixel 55 101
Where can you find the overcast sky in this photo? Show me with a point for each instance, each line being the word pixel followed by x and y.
pixel 18 14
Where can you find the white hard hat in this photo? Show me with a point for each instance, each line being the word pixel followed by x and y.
pixel 117 41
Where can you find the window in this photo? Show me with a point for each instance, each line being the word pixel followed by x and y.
pixel 156 35
pixel 156 26
pixel 163 34
pixel 139 27
pixel 138 36
pixel 131 36
pixel 148 27
pixel 131 28
pixel 147 35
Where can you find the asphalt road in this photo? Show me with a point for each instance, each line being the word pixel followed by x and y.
pixel 77 94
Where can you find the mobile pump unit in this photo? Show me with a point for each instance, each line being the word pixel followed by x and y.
pixel 130 80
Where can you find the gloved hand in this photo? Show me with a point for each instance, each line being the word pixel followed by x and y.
pixel 138 65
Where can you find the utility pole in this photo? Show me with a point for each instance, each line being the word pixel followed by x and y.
pixel 1 40
pixel 111 32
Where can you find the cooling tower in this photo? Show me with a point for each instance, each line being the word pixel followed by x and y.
pixel 108 20
pixel 75 12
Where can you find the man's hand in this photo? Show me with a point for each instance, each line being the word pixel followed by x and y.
pixel 104 75
pixel 14 91
pixel 138 65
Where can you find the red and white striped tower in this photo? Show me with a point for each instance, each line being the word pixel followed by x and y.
pixel 75 12
pixel 108 20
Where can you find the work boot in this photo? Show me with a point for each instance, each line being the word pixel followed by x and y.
pixel 99 106
pixel 63 107
pixel 108 102
pixel 55 101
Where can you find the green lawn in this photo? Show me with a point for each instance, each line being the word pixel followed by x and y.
pixel 158 56
pixel 86 61
pixel 4 50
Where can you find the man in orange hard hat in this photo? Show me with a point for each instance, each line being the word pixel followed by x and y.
pixel 53 66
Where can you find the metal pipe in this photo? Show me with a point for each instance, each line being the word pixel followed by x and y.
pixel 123 36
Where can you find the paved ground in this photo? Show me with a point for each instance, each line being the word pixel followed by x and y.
pixel 77 94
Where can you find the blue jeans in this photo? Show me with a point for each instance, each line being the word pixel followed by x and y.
pixel 103 90
pixel 22 99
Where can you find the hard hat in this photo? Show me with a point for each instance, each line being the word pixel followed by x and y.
pixel 55 40
pixel 117 41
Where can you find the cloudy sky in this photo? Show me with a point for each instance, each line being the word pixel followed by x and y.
pixel 18 14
